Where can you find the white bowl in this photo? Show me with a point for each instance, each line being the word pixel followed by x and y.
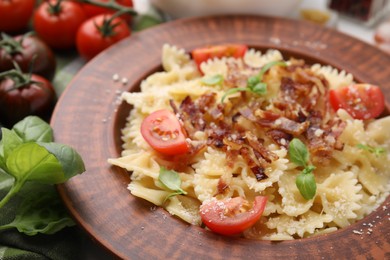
pixel 185 8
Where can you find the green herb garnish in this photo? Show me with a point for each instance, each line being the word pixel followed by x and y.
pixel 213 80
pixel 254 83
pixel 171 180
pixel 28 155
pixel 305 181
pixel 375 150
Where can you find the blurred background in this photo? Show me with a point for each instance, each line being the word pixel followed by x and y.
pixel 359 18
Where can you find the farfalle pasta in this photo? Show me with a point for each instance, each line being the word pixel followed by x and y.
pixel 250 157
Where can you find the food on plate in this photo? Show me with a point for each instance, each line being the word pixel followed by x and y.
pixel 274 149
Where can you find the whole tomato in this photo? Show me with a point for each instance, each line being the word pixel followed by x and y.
pixel 100 32
pixel 94 10
pixel 29 52
pixel 57 22
pixel 15 15
pixel 22 95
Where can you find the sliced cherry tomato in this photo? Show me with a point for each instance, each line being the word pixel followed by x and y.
pixel 27 50
pixel 57 22
pixel 94 10
pixel 22 95
pixel 217 51
pixel 361 101
pixel 231 216
pixel 98 33
pixel 15 15
pixel 164 133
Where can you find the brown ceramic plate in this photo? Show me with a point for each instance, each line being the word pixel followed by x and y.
pixel 89 117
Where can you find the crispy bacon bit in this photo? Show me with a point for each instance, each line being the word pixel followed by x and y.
pixel 259 173
pixel 222 186
pixel 300 109
pixel 257 146
pixel 280 137
pixel 256 169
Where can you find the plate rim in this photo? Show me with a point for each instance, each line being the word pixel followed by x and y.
pixel 64 189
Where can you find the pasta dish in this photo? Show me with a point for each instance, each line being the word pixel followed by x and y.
pixel 256 144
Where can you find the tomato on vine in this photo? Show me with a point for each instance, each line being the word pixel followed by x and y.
pixel 24 50
pixel 92 10
pixel 100 32
pixel 15 15
pixel 24 94
pixel 57 22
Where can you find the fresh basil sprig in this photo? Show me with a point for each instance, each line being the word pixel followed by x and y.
pixel 254 83
pixel 375 150
pixel 28 155
pixel 171 180
pixel 213 80
pixel 305 181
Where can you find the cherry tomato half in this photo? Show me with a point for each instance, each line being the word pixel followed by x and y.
pixel 231 216
pixel 58 27
pixel 361 101
pixel 36 97
pixel 15 15
pixel 217 51
pixel 93 10
pixel 164 133
pixel 94 35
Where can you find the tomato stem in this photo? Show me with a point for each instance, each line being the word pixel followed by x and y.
pixel 112 5
pixel 55 8
pixel 107 27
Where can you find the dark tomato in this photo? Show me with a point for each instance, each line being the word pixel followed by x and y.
pixel 59 28
pixel 217 51
pixel 164 133
pixel 361 101
pixel 231 216
pixel 93 10
pixel 24 50
pixel 15 15
pixel 91 40
pixel 35 98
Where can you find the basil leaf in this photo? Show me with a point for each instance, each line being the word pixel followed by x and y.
pixel 171 180
pixel 213 80
pixel 41 212
pixel 306 185
pixel 71 162
pixel 31 161
pixel 9 142
pixel 233 91
pixel 253 81
pixel 375 150
pixel 32 128
pixel 260 88
pixel 267 66
pixel 298 152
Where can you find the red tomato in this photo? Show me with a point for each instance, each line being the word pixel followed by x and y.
pixel 231 216
pixel 164 133
pixel 15 15
pixel 58 28
pixel 93 10
pixel 27 50
pixel 361 101
pixel 92 40
pixel 227 50
pixel 35 97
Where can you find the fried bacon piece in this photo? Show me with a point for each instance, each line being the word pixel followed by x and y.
pixel 299 110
